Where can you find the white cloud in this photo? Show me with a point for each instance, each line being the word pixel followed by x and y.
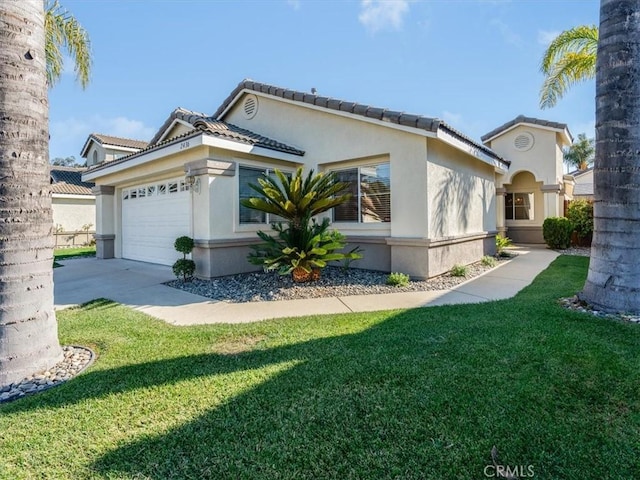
pixel 377 15
pixel 545 37
pixel 509 35
pixel 68 136
pixel 295 4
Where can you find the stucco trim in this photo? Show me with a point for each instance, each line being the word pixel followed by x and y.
pixel 103 190
pixel 440 242
pixel 556 187
pixel 370 240
pixel 72 196
pixel 408 241
pixel 210 166
pixel 226 242
pixel 501 191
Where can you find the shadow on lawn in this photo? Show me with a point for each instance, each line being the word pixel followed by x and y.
pixel 424 394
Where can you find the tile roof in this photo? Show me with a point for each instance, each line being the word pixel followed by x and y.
pixel 579 173
pixel 400 118
pixel 68 180
pixel 218 128
pixel 523 119
pixel 111 140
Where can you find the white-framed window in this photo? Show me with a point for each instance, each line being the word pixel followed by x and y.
pixel 173 187
pixel 184 186
pixel 162 189
pixel 133 193
pixel 518 206
pixel 125 195
pixel 142 192
pixel 370 188
pixel 250 175
pixel 151 190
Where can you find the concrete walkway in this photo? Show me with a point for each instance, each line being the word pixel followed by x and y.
pixel 140 286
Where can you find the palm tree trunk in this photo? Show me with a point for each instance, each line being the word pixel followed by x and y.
pixel 613 283
pixel 28 328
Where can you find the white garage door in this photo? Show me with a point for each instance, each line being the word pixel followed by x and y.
pixel 153 216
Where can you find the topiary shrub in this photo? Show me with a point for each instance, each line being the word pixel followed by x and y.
pixel 184 267
pixel 557 232
pixel 580 214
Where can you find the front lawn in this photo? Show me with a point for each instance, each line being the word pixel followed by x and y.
pixel 417 394
pixel 66 253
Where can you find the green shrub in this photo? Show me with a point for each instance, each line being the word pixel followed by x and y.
pixel 184 267
pixel 184 245
pixel 488 261
pixel 502 243
pixel 580 214
pixel 398 279
pixel 557 232
pixel 459 270
pixel 301 246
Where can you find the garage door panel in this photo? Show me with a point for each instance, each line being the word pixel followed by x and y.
pixel 151 224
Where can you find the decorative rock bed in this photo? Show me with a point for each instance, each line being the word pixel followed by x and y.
pixel 334 282
pixel 76 359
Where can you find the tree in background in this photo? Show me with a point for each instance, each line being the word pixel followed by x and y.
pixel 28 327
pixel 580 154
pixel 613 282
pixel 66 162
pixel 569 59
pixel 64 33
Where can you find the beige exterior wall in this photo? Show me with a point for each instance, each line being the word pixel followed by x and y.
pixel 72 212
pixel 442 199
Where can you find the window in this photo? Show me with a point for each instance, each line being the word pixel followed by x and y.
pixel 173 187
pixel 142 192
pixel 370 187
pixel 162 189
pixel 519 206
pixel 125 194
pixel 151 190
pixel 133 193
pixel 184 186
pixel 250 175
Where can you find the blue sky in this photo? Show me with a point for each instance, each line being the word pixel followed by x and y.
pixel 473 63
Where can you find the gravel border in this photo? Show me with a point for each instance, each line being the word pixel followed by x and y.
pixel 76 360
pixel 577 305
pixel 334 282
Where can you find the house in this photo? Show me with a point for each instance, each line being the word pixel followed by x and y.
pixel 583 188
pixel 424 194
pixel 73 205
pixel 535 186
pixel 100 148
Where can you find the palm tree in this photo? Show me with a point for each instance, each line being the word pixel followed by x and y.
pixel 580 154
pixel 63 32
pixel 28 328
pixel 613 282
pixel 569 59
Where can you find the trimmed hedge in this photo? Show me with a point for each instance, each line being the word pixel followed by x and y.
pixel 557 232
pixel 580 214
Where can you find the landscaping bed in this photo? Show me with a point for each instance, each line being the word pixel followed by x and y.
pixel 334 282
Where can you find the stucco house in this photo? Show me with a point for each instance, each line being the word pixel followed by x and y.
pixel 73 205
pixel 583 188
pixel 100 148
pixel 424 194
pixel 535 186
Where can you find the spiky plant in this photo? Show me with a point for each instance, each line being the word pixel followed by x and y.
pixel 302 246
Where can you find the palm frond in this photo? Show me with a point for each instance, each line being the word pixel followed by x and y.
pixel 64 32
pixel 569 59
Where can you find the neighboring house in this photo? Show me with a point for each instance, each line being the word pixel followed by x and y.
pixel 104 148
pixel 74 206
pixel 535 186
pixel 583 188
pixel 424 194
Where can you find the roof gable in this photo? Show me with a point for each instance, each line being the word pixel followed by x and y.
pixel 429 124
pixel 561 128
pixel 111 141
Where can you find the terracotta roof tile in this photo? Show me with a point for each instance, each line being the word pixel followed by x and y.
pixel 68 180
pixel 400 118
pixel 523 119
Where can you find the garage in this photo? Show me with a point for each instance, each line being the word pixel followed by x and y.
pixel 153 216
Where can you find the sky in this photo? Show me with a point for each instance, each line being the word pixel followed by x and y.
pixel 472 63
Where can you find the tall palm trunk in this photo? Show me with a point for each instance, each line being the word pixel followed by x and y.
pixel 613 283
pixel 28 328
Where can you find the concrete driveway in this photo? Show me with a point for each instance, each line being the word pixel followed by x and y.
pixel 140 286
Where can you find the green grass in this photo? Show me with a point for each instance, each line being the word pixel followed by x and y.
pixel 65 253
pixel 416 394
